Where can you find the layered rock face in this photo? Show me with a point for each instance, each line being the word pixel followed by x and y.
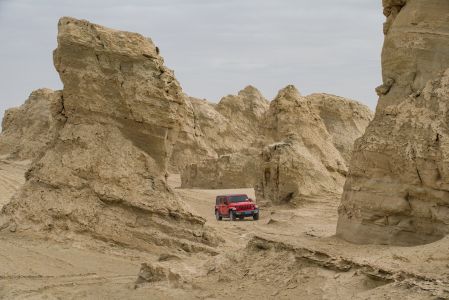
pixel 236 170
pixel 192 145
pixel 303 161
pixel 231 125
pixel 104 173
pixel 290 174
pixel 345 120
pixel 230 128
pixel 316 132
pixel 28 129
pixel 246 110
pixel 397 191
pixel 214 130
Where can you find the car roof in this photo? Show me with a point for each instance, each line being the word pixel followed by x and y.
pixel 229 195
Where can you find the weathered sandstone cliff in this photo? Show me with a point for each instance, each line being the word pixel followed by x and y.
pixel 345 120
pixel 322 129
pixel 246 110
pixel 192 144
pixel 104 175
pixel 28 129
pixel 397 191
pixel 302 159
pixel 236 170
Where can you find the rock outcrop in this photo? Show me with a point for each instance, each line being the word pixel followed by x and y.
pixel 236 170
pixel 246 110
pixel 28 129
pixel 345 120
pixel 214 130
pixel 104 175
pixel 302 160
pixel 230 128
pixel 397 191
pixel 192 145
pixel 294 133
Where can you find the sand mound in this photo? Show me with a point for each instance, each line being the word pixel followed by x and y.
pixel 28 129
pixel 398 188
pixel 104 175
pixel 281 270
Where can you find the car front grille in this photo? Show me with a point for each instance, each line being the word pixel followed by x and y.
pixel 244 207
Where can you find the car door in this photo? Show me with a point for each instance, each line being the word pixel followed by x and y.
pixel 221 207
pixel 217 204
pixel 225 206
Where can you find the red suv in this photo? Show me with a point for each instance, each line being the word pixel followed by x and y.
pixel 235 206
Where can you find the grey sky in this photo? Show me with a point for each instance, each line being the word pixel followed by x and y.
pixel 216 47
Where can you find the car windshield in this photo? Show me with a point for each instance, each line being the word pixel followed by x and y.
pixel 236 199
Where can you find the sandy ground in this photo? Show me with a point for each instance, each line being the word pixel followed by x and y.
pixel 287 254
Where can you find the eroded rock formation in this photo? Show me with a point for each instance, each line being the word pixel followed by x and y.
pixel 104 173
pixel 246 110
pixel 236 170
pixel 28 129
pixel 212 130
pixel 192 145
pixel 302 161
pixel 316 128
pixel 345 120
pixel 397 191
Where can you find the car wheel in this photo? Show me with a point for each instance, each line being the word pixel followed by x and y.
pixel 217 216
pixel 256 217
pixel 232 215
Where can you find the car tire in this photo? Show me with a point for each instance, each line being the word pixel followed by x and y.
pixel 217 216
pixel 232 215
pixel 256 217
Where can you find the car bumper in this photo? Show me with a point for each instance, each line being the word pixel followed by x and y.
pixel 246 213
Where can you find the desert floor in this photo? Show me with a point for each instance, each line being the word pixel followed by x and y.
pixel 287 254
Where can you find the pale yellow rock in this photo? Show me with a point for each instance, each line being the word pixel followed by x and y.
pixel 192 144
pixel 303 160
pixel 104 175
pixel 212 130
pixel 27 130
pixel 246 110
pixel 236 170
pixel 230 128
pixel 325 122
pixel 397 191
pixel 345 120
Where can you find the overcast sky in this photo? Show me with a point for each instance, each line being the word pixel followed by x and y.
pixel 216 47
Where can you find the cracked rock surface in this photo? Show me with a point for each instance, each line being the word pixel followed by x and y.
pixel 28 129
pixel 104 174
pixel 397 191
